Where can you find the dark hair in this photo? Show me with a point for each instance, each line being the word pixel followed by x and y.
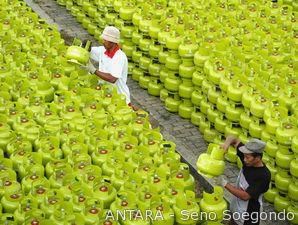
pixel 254 154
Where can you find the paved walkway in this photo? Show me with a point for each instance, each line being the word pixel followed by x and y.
pixel 190 143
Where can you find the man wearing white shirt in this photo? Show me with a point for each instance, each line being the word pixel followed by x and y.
pixel 113 63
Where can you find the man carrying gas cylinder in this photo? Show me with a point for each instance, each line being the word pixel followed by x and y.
pixel 252 182
pixel 112 62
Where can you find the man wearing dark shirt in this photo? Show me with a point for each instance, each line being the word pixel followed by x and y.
pixel 252 182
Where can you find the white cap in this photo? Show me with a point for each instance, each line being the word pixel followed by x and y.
pixel 111 34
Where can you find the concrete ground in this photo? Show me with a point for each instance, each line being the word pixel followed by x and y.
pixel 190 143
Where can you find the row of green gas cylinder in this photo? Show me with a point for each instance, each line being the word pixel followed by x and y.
pixel 72 151
pixel 227 66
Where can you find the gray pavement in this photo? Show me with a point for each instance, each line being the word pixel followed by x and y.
pixel 189 141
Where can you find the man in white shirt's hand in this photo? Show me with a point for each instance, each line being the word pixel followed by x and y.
pixel 89 67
